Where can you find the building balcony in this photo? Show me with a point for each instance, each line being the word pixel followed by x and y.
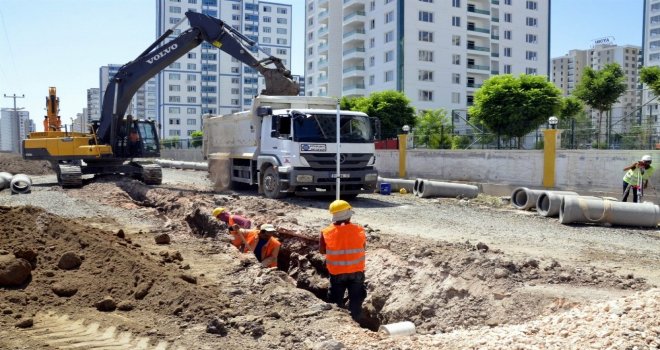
pixel 323 4
pixel 495 36
pixel 495 2
pixel 478 49
pixel 322 79
pixel 471 9
pixel 354 71
pixel 356 52
pixel 357 34
pixel 323 17
pixel 323 47
pixel 478 67
pixel 355 17
pixel 473 85
pixel 494 72
pixel 322 32
pixel 322 63
pixel 478 30
pixel 495 19
pixel 494 54
pixel 353 5
pixel 353 90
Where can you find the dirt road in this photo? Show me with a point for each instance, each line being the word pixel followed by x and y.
pixel 466 273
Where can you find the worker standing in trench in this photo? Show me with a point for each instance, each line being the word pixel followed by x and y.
pixel 232 221
pixel 637 177
pixel 264 246
pixel 344 244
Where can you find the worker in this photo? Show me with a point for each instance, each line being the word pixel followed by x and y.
pixel 231 221
pixel 632 179
pixel 133 142
pixel 264 246
pixel 46 124
pixel 249 235
pixel 344 244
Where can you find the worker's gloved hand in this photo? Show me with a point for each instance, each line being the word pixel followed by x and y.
pixel 234 228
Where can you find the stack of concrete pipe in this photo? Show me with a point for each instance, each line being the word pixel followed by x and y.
pixel 549 202
pixel 524 199
pixel 19 183
pixel 427 188
pixel 177 164
pixel 576 209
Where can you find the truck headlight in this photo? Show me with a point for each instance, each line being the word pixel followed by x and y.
pixel 371 177
pixel 284 169
pixel 371 161
pixel 304 178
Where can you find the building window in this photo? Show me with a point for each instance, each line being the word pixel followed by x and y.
pixel 456 40
pixel 530 55
pixel 191 66
pixel 425 75
pixel 531 22
pixel 192 88
pixel 389 76
pixel 282 21
pixel 389 17
pixel 389 36
pixel 507 52
pixel 456 3
pixel 191 121
pixel 426 56
pixel 425 16
pixel 372 24
pixel 455 97
pixel 530 71
pixel 282 31
pixel 507 17
pixel 192 99
pixel 507 69
pixel 175 87
pixel 175 9
pixel 389 56
pixel 456 59
pixel 455 78
pixel 530 38
pixel 174 110
pixel 425 95
pixel 372 61
pixel 425 36
pixel 191 110
pixel 507 2
pixel 372 43
pixel 507 34
pixel 372 80
pixel 175 132
pixel 531 5
pixel 455 21
pixel 282 11
pixel 235 70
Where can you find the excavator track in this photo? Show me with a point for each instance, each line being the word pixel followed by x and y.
pixel 69 175
pixel 152 174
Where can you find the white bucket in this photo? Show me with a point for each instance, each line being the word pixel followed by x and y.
pixel 399 328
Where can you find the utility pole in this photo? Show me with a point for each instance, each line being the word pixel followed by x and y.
pixel 18 121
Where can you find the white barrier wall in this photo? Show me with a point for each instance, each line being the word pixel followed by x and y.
pixel 186 155
pixel 588 170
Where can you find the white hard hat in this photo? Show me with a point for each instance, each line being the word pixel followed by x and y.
pixel 646 158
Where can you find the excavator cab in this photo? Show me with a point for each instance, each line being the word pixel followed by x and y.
pixel 137 138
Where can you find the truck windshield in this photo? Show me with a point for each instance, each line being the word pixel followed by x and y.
pixel 323 127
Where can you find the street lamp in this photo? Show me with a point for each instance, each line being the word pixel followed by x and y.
pixel 553 122
pixel 406 129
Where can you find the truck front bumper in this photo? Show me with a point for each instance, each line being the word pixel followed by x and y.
pixel 304 181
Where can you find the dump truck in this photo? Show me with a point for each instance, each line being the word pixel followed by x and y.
pixel 288 145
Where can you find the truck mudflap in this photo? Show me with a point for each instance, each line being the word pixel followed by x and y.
pixel 308 182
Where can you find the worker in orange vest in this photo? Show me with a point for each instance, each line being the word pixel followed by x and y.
pixel 232 221
pixel 344 244
pixel 264 246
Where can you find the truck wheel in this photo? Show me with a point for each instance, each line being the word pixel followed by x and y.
pixel 272 185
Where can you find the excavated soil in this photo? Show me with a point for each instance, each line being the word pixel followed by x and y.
pixel 14 164
pixel 199 290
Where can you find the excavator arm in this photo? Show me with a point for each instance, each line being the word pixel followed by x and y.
pixel 154 59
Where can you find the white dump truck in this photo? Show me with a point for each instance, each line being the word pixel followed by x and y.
pixel 287 144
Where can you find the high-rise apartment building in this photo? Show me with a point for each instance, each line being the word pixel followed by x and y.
pixel 15 125
pixel 438 52
pixel 567 71
pixel 143 104
pixel 207 80
pixel 93 110
pixel 651 57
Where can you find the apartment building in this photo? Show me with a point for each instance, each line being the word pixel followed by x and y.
pixel 567 71
pixel 438 52
pixel 207 80
pixel 15 125
pixel 143 104
pixel 651 57
pixel 93 110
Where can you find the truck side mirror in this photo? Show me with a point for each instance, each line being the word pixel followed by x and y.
pixel 264 111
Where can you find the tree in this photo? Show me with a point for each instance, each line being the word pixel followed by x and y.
pixel 570 107
pixel 512 107
pixel 391 107
pixel 600 90
pixel 651 77
pixel 434 129
pixel 196 137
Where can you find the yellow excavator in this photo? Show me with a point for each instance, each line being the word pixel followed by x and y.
pixel 121 144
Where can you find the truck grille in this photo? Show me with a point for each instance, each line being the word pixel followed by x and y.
pixel 328 160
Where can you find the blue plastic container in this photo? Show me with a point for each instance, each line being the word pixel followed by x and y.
pixel 385 188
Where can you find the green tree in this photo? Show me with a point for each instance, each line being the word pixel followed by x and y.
pixel 196 137
pixel 391 107
pixel 651 77
pixel 434 129
pixel 570 107
pixel 512 107
pixel 600 89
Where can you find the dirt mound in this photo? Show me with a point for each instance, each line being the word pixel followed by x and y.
pixel 15 164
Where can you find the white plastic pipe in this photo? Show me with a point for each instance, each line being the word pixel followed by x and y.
pixel 549 202
pixel 523 198
pixel 428 188
pixel 397 184
pixel 5 179
pixel 575 209
pixel 399 328
pixel 20 183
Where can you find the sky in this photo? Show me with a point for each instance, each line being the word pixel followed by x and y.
pixel 63 43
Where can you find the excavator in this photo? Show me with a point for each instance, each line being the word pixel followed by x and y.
pixel 122 144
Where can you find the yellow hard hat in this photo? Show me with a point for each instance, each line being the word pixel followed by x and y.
pixel 339 205
pixel 218 211
pixel 403 190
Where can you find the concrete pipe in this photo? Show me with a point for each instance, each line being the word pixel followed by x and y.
pixel 397 184
pixel 5 179
pixel 20 183
pixel 549 202
pixel 416 186
pixel 523 198
pixel 575 209
pixel 428 188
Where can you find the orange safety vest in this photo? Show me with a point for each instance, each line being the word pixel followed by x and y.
pixel 344 248
pixel 267 250
pixel 249 236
